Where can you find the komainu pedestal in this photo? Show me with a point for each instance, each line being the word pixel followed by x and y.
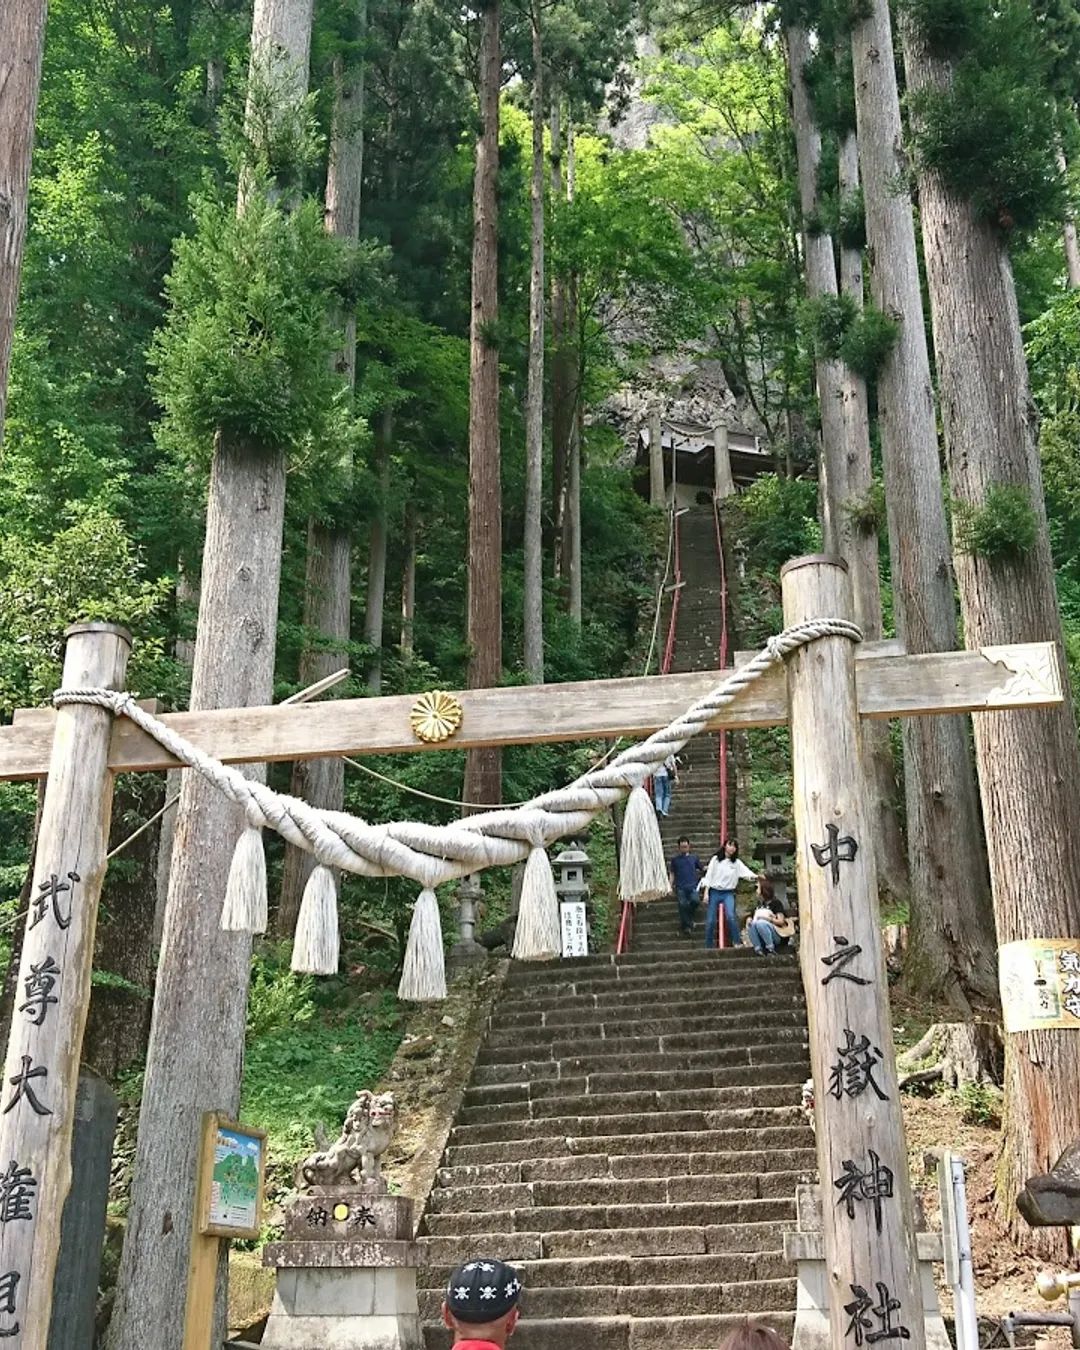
pixel 346 1267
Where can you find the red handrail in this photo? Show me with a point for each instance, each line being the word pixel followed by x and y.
pixel 723 655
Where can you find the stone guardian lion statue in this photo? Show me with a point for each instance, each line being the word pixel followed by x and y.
pixel 354 1156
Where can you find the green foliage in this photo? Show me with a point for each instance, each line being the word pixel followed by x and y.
pixel 780 519
pixel 91 570
pixel 868 341
pixel 945 28
pixel 980 1104
pixel 851 220
pixel 868 513
pixel 108 979
pixel 309 1051
pixel 989 131
pixel 244 351
pixel 861 338
pixel 1004 526
pixel 723 161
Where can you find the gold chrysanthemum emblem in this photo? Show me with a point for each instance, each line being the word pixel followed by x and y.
pixel 435 716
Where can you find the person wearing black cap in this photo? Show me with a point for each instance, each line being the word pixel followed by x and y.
pixel 480 1307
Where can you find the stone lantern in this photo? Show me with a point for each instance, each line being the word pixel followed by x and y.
pixel 571 868
pixel 775 849
pixel 467 949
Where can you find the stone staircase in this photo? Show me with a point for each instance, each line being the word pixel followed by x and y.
pixel 631 1138
pixel 695 807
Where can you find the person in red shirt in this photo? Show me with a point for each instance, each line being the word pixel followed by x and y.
pixel 480 1306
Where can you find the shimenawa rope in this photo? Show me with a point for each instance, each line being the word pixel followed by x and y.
pixel 432 854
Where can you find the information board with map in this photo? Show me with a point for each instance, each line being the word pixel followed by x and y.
pixel 233 1171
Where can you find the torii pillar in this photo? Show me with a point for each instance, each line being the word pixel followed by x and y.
pixel 868 1213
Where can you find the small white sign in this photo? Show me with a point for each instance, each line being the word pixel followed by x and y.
pixel 575 930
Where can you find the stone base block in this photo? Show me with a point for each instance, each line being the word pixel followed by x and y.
pixel 342 1309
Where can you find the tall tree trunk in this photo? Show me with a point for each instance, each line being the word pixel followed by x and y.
pixel 187 596
pixel 846 472
pixel 483 767
pixel 20 80
pixel 1068 230
pixel 894 881
pixel 573 505
pixel 328 574
pixel 1029 761
pixel 118 1022
pixel 572 512
pixel 408 583
pixel 534 405
pixel 321 782
pixel 375 608
pixel 952 952
pixel 195 1058
pixel 561 368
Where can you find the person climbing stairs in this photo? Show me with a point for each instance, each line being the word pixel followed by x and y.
pixel 631 1140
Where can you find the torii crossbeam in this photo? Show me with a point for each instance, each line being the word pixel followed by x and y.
pixel 869 1232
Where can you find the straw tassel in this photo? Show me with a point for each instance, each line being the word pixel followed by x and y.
pixel 538 935
pixel 642 867
pixel 244 910
pixel 423 975
pixel 315 944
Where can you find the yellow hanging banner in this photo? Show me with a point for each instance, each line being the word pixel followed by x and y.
pixel 1040 983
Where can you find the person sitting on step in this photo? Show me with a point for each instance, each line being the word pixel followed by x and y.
pixel 481 1304
pixel 724 872
pixel 684 869
pixel 766 918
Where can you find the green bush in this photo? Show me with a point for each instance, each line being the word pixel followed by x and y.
pixel 980 1104
pixel 867 342
pixel 780 519
pixel 868 514
pixel 1004 526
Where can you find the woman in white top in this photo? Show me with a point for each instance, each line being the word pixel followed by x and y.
pixel 724 872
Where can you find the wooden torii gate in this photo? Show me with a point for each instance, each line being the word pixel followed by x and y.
pixel 869 1227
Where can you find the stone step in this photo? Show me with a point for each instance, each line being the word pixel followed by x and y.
pixel 677 1190
pixel 595 1009
pixel 775 1074
pixel 561 1219
pixel 636 972
pixel 622 1333
pixel 652 1022
pixel 610 1300
pixel 652 1122
pixel 598 1166
pixel 600 966
pixel 621 1103
pixel 676 1141
pixel 714 1057
pixel 635 1047
pixel 716 983
pixel 625 1271
pixel 694 1240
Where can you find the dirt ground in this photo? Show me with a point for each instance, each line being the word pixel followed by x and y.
pixel 1004 1274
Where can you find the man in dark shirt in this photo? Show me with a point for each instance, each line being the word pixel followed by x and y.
pixel 684 870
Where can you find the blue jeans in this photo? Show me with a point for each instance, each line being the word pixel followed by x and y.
pixel 662 794
pixel 688 906
pixel 762 935
pixel 712 914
